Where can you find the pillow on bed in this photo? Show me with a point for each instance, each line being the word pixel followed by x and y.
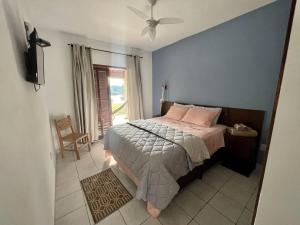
pixel 200 116
pixel 181 105
pixel 218 110
pixel 176 112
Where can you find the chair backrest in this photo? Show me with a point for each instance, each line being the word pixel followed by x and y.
pixel 62 125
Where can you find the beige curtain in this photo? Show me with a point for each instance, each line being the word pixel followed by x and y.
pixel 134 88
pixel 84 91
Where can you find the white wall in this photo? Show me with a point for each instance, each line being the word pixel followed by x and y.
pixel 279 202
pixel 58 69
pixel 27 173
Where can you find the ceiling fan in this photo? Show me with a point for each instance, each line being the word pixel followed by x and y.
pixel 152 23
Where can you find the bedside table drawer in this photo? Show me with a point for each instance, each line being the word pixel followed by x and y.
pixel 240 153
pixel 243 147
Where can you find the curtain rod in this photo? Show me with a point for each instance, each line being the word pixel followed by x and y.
pixel 101 50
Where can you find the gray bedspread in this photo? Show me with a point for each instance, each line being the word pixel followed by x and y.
pixel 158 155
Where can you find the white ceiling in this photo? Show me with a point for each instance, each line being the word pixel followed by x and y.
pixel 111 21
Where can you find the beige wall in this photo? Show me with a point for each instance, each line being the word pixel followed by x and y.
pixel 27 173
pixel 279 202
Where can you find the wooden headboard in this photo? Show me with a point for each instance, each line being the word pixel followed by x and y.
pixel 230 116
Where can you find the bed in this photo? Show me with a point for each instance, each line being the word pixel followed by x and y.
pixel 161 155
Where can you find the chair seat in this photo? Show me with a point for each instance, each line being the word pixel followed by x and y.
pixel 74 137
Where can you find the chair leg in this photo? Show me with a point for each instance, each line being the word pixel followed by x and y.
pixel 89 143
pixel 61 147
pixel 76 151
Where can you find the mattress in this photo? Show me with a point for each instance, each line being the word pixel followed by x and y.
pixel 213 136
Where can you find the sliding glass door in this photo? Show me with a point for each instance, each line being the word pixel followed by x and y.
pixel 118 95
pixel 111 93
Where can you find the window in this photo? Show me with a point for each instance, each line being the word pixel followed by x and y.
pixel 118 95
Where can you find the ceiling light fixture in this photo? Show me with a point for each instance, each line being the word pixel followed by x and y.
pixel 152 23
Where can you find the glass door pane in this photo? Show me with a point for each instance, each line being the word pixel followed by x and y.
pixel 118 95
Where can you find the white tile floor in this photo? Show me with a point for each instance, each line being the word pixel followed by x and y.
pixel 222 197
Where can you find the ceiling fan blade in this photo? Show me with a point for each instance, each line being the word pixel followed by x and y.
pixel 138 12
pixel 152 33
pixel 170 20
pixel 145 31
pixel 152 2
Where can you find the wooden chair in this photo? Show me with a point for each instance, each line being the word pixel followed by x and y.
pixel 78 140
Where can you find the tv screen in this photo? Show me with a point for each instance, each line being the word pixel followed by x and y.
pixel 35 59
pixel 40 65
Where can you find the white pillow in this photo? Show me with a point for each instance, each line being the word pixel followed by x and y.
pixel 181 105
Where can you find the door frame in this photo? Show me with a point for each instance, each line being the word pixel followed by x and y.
pixel 275 104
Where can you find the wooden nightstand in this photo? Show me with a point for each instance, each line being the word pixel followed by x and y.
pixel 240 153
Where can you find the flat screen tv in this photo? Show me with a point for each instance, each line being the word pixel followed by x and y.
pixel 34 58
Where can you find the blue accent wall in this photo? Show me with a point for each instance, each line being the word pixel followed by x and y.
pixel 235 64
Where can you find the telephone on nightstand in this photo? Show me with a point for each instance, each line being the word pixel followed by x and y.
pixel 240 129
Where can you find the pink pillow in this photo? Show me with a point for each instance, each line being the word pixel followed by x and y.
pixel 176 112
pixel 200 116
pixel 219 110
